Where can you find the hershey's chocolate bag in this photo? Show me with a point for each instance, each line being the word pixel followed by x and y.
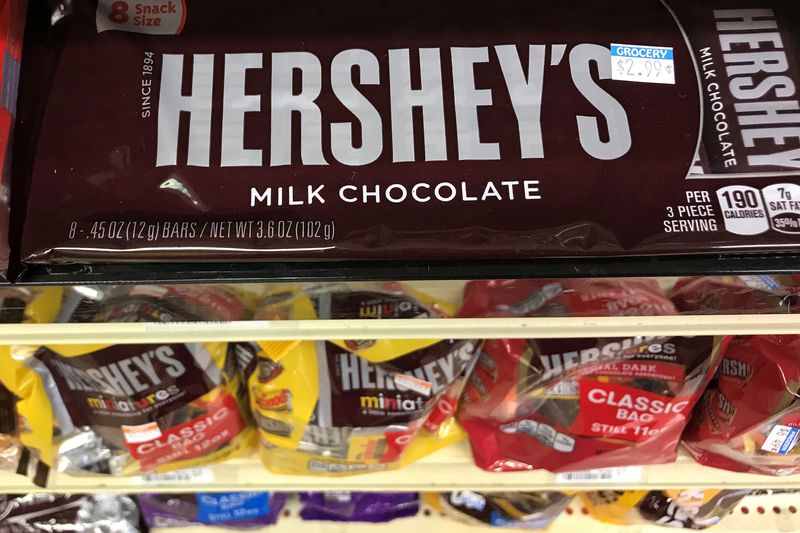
pixel 577 404
pixel 345 406
pixel 749 418
pixel 125 409
pixel 175 130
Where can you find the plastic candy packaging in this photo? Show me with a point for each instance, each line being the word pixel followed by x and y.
pixel 15 428
pixel 736 294
pixel 125 409
pixel 396 130
pixel 48 513
pixel 12 23
pixel 10 446
pixel 574 404
pixel 687 508
pixel 342 506
pixel 749 418
pixel 519 510
pixel 14 303
pixel 349 406
pixel 235 510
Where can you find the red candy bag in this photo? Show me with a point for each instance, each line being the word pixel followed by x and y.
pixel 12 23
pixel 736 294
pixel 749 418
pixel 571 404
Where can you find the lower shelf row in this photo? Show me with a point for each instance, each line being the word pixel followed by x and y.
pixel 366 406
pixel 468 511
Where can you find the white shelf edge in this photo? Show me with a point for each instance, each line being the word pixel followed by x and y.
pixel 447 469
pixel 568 522
pixel 454 328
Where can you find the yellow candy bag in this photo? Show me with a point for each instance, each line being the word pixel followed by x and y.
pixel 126 409
pixel 686 508
pixel 349 406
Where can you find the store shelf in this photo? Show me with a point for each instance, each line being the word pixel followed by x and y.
pixel 448 469
pixel 746 518
pixel 668 265
pixel 480 328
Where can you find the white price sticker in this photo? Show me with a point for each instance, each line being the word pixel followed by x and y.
pixel 781 439
pixel 405 382
pixel 242 325
pixel 623 474
pixel 141 433
pixel 643 64
pixel 187 475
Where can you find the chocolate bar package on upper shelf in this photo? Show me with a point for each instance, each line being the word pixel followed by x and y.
pixel 166 130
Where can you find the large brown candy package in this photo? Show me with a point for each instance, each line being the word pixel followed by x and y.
pixel 173 130
pixel 574 404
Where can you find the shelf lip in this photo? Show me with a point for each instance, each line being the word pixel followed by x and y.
pixel 448 469
pixel 450 328
pixel 411 270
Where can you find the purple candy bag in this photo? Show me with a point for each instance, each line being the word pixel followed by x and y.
pixel 237 510
pixel 358 506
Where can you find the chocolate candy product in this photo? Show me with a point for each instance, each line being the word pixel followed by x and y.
pixel 163 130
pixel 125 409
pixel 518 510
pixel 45 513
pixel 687 508
pixel 12 22
pixel 574 404
pixel 345 506
pixel 235 510
pixel 749 418
pixel 348 406
pixel 10 447
pixel 736 294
